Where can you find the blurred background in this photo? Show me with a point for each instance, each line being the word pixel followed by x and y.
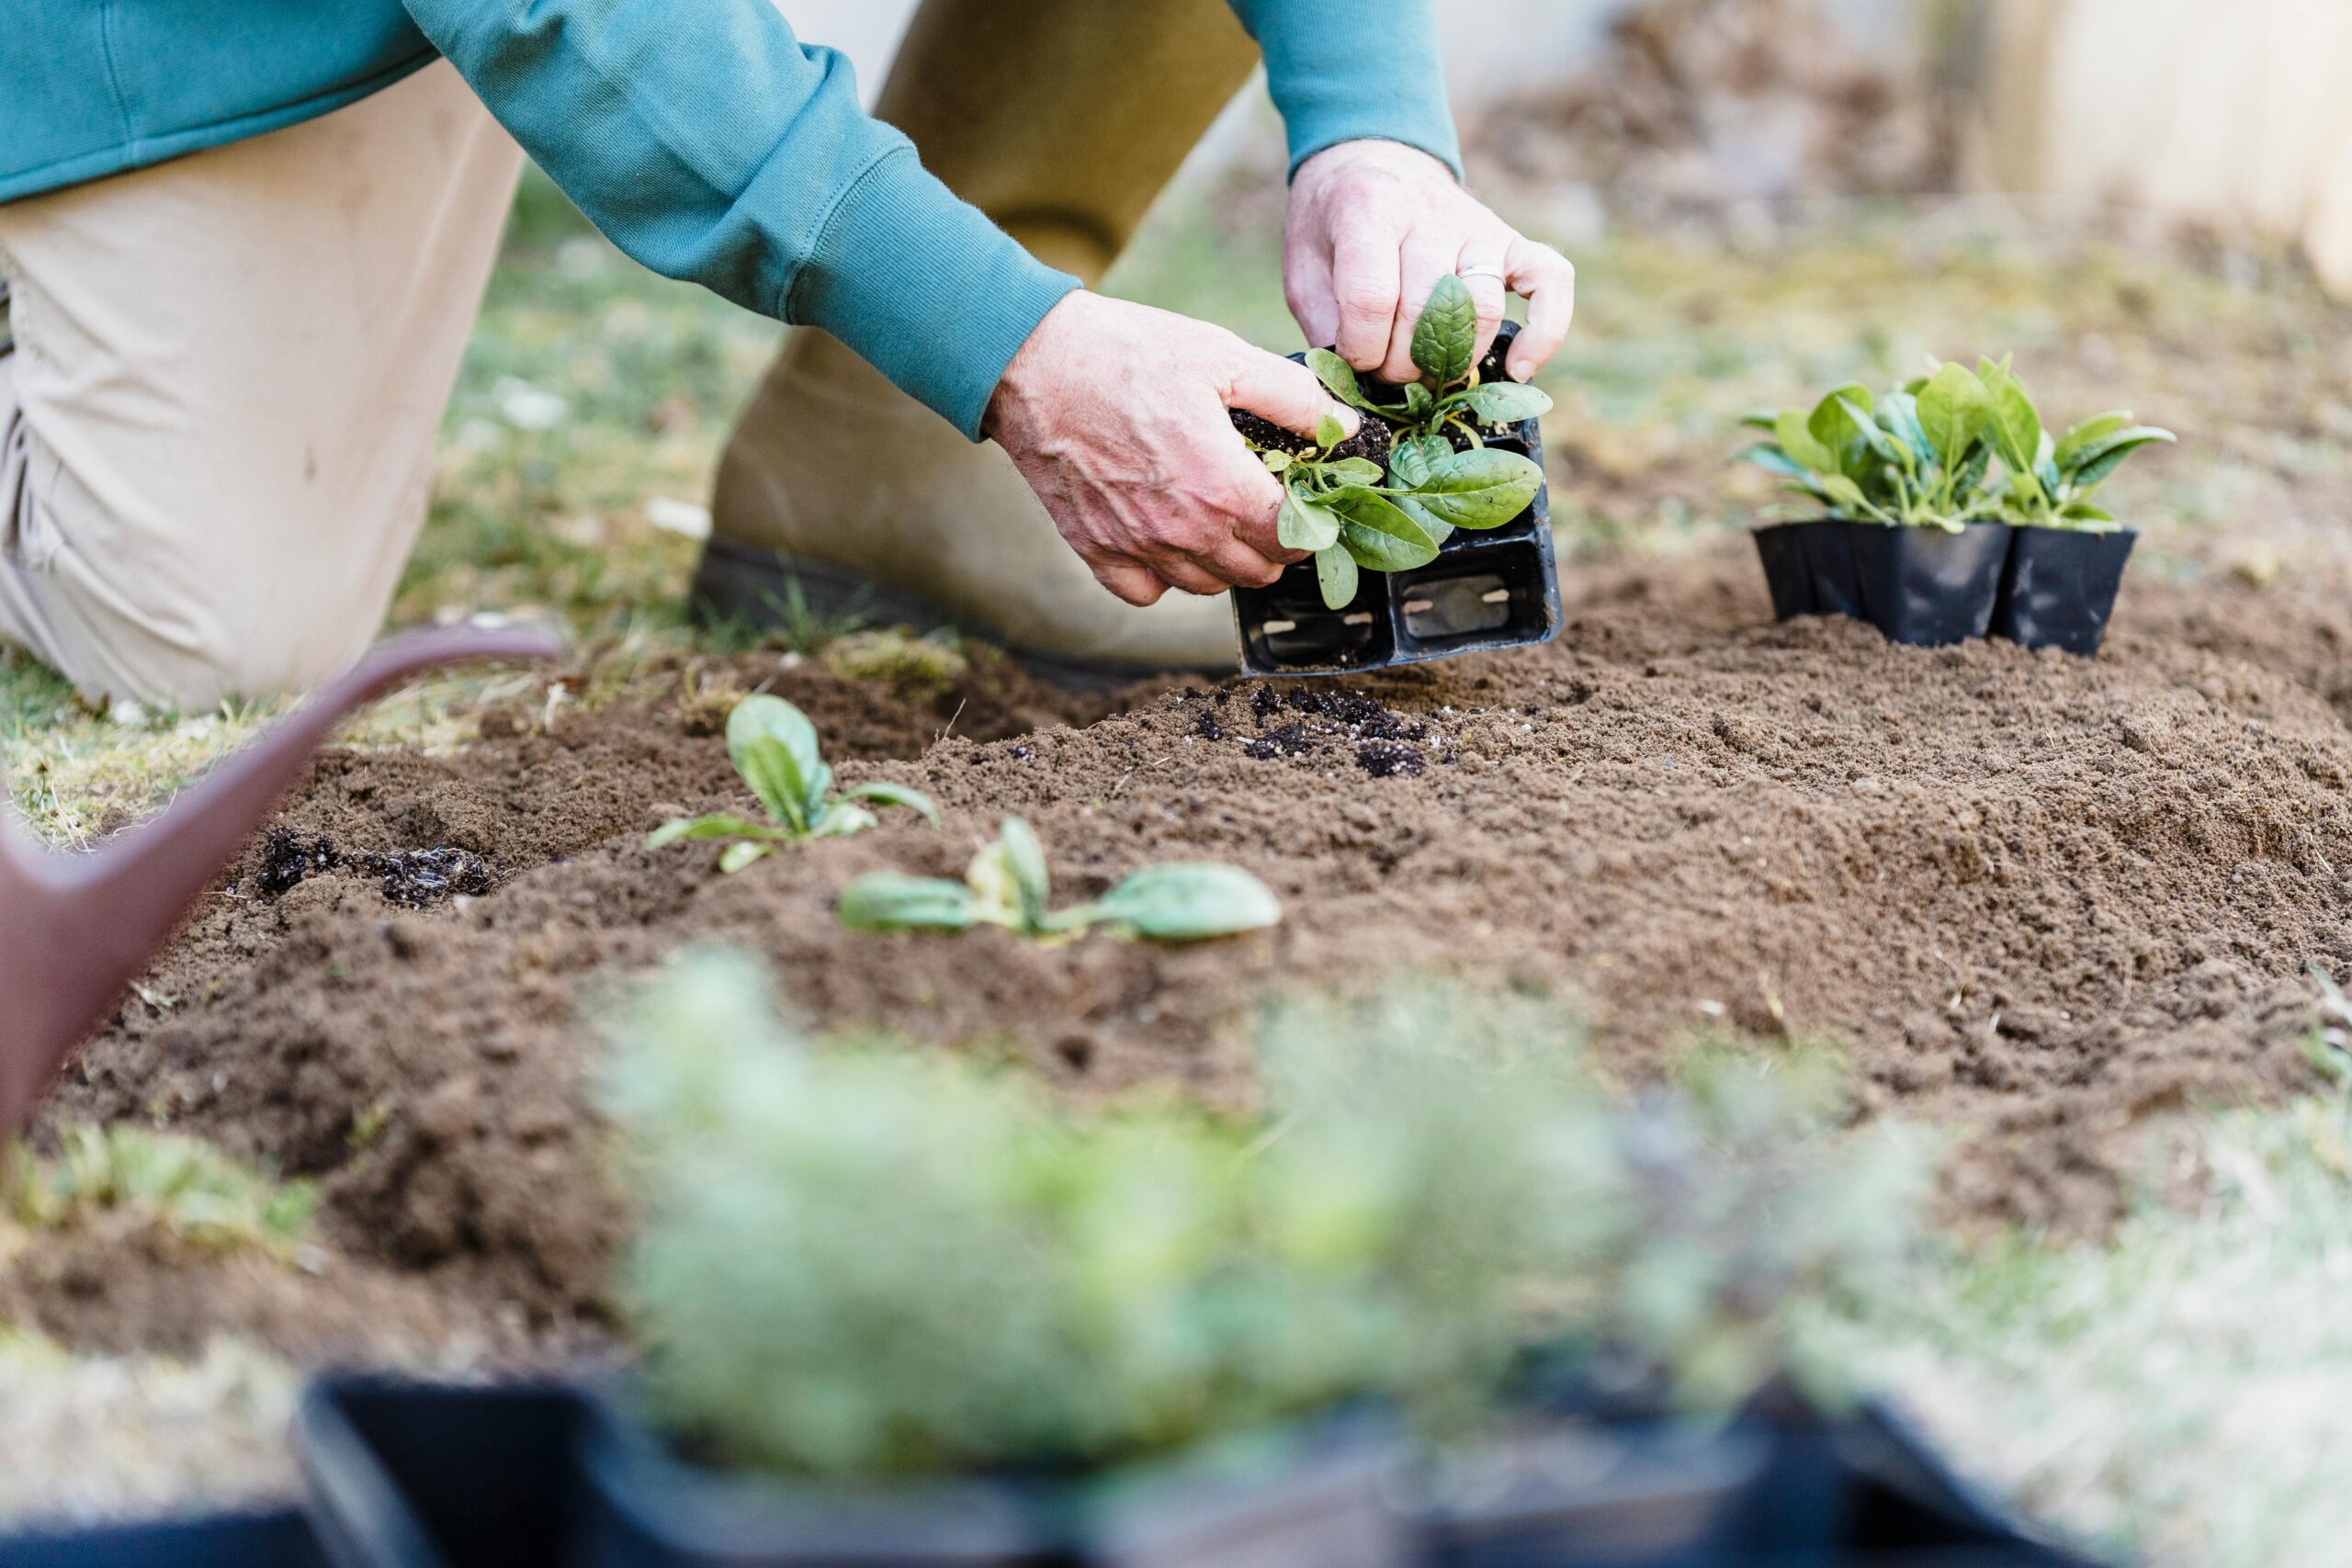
pixel 2147 201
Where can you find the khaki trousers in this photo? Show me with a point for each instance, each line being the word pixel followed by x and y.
pixel 220 416
pixel 231 367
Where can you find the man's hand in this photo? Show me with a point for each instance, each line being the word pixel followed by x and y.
pixel 1116 415
pixel 1373 225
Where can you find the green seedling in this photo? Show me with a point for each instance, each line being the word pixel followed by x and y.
pixel 876 1260
pixel 177 1184
pixel 1354 515
pixel 1007 885
pixel 774 749
pixel 1923 456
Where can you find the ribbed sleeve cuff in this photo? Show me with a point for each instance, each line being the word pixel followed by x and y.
pixel 924 288
pixel 1355 69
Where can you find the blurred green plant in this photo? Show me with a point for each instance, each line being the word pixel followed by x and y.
pixel 774 746
pixel 1007 885
pixel 1922 455
pixel 889 1261
pixel 177 1184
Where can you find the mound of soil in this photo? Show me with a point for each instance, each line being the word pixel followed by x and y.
pixel 2039 897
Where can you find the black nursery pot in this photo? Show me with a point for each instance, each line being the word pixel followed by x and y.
pixel 1488 589
pixel 648 1507
pixel 1925 587
pixel 275 1539
pixel 427 1476
pixel 2060 587
pixel 1314 1497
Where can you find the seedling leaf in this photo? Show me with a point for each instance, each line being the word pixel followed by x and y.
pixel 1412 457
pixel 1025 857
pixel 735 857
pixel 2090 430
pixel 1188 902
pixel 886 901
pixel 1506 403
pixel 775 776
pixel 1445 340
pixel 761 715
pixel 1378 535
pixel 1953 412
pixel 1479 489
pixel 1335 574
pixel 2097 462
pixel 1338 377
pixel 883 792
pixel 1802 445
pixel 1303 524
pixel 689 829
pixel 1330 430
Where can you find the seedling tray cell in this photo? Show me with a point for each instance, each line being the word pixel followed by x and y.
pixel 2060 587
pixel 421 1475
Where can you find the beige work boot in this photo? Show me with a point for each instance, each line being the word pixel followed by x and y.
pixel 1062 119
pixel 842 495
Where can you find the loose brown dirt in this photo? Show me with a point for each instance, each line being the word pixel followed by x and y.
pixel 2039 900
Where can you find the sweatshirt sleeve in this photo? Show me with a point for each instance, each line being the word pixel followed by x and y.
pixel 711 145
pixel 1353 70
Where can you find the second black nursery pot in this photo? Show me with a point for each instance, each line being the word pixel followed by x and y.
pixel 2060 587
pixel 1488 589
pixel 1922 586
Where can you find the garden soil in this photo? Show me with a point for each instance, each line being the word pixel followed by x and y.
pixel 2039 899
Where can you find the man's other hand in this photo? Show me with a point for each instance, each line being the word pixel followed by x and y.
pixel 1373 225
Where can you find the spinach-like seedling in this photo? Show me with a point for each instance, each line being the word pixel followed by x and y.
pixel 774 746
pixel 1922 455
pixel 2052 477
pixel 1441 474
pixel 1007 885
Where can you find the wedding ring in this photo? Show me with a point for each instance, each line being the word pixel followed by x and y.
pixel 1480 271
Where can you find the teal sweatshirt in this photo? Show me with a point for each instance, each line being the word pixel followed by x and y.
pixel 706 139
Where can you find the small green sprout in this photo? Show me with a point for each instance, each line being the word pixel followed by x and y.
pixel 1007 885
pixel 774 749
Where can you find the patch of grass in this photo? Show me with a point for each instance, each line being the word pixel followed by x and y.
pixel 136 1180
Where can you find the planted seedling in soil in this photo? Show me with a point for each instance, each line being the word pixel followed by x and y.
pixel 1007 885
pixel 774 746
pixel 1340 503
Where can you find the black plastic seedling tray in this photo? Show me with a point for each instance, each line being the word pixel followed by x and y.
pixel 2037 587
pixel 1488 589
pixel 412 1475
pixel 426 1475
pixel 1921 586
pixel 273 1539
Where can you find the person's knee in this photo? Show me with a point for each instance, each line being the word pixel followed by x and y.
pixel 185 633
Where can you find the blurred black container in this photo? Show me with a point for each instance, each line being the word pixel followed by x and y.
pixel 275 1539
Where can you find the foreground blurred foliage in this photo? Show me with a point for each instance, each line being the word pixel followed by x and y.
pixel 886 1260
pixel 164 1182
